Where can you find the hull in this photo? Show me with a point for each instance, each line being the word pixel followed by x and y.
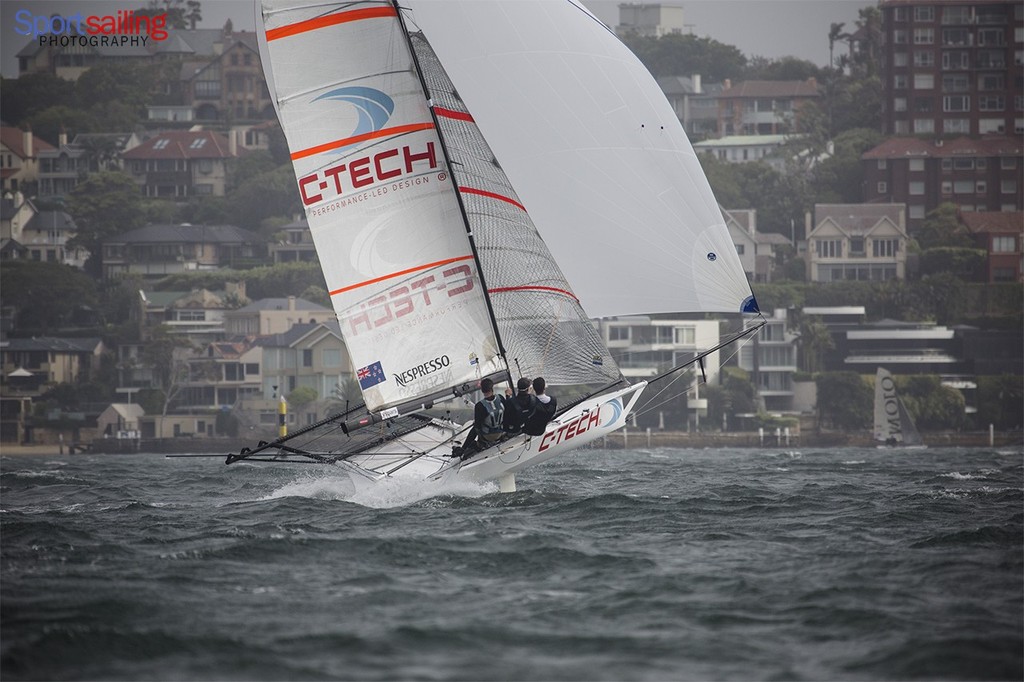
pixel 426 453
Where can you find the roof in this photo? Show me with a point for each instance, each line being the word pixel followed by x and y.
pixel 280 304
pixel 14 139
pixel 53 344
pixel 1005 222
pixel 182 144
pixel 744 141
pixel 807 88
pixel 900 147
pixel 45 221
pixel 187 234
pixel 771 238
pixel 857 218
pixel 127 410
pixel 297 333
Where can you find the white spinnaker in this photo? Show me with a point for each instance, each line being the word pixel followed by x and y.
pixel 378 197
pixel 594 151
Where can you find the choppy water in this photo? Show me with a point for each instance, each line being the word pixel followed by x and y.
pixel 660 564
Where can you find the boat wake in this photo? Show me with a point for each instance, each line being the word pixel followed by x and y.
pixel 385 494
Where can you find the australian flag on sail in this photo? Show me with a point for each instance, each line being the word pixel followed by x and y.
pixel 370 375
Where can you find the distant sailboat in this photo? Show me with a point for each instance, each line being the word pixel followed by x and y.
pixel 894 426
pixel 444 264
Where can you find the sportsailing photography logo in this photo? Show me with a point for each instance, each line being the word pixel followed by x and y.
pixel 122 29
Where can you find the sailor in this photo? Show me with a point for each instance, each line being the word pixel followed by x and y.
pixel 518 408
pixel 544 412
pixel 487 429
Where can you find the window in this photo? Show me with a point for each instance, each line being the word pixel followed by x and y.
pixel 963 187
pixel 991 37
pixel 924 58
pixel 955 83
pixel 916 164
pixel 991 125
pixel 739 249
pixel 899 104
pixel 829 248
pixel 980 187
pixel 991 81
pixel 899 37
pixel 233 372
pixel 198 143
pixel 956 125
pixel 916 212
pixel 991 103
pixel 924 81
pixel 1007 162
pixel 916 188
pixel 618 333
pixel 1004 275
pixel 857 246
pixel 991 59
pixel 161 143
pixel 685 336
pixel 924 125
pixel 1008 187
pixel 307 357
pixel 900 127
pixel 252 368
pixel 956 15
pixel 899 14
pixel 956 36
pixel 1004 245
pixel 956 103
pixel 884 248
pixel 882 164
pixel 963 164
pixel 924 36
pixel 956 61
pixel 331 357
pixel 947 187
pixel 883 188
pixel 926 13
pixel 899 82
pixel 923 104
pixel 899 59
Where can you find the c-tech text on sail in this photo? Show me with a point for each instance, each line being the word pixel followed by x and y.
pixel 390 164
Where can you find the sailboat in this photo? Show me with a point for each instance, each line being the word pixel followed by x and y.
pixel 482 180
pixel 894 427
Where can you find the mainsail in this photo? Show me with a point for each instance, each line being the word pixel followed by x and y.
pixel 893 423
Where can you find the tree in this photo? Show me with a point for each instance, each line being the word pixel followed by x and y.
pixel 942 227
pixel 301 396
pixel 682 55
pixel 20 98
pixel 103 205
pixel 845 400
pixel 46 295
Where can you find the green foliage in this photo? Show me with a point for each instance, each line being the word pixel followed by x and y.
pixel 48 123
pixel 226 424
pixel 1000 402
pixel 942 227
pixel 933 406
pixel 45 294
pixel 267 194
pixel 301 396
pixel 845 401
pixel 683 55
pixel 967 264
pixel 783 69
pixel 103 205
pixel 734 396
pixel 20 98
pixel 285 279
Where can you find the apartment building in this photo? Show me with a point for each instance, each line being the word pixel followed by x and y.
pixel 650 19
pixel 952 67
pixel 976 174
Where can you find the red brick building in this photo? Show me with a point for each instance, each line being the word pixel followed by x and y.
pixel 1000 234
pixel 975 174
pixel 952 67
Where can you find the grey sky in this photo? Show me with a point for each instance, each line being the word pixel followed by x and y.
pixel 769 28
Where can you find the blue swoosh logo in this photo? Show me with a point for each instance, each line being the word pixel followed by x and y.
pixel 373 107
pixel 616 406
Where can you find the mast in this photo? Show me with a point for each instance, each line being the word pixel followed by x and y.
pixel 458 195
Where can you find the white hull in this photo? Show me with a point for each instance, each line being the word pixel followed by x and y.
pixel 583 424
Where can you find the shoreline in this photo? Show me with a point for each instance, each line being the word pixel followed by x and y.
pixel 617 441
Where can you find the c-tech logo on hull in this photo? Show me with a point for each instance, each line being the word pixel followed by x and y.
pixel 373 107
pixel 611 411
